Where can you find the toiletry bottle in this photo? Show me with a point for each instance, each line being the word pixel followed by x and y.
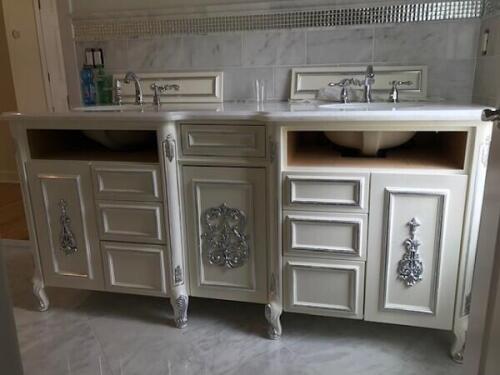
pixel 104 82
pixel 87 79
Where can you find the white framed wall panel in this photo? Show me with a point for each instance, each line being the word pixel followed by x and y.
pixel 325 234
pixel 135 268
pixel 345 192
pixel 326 287
pixel 436 202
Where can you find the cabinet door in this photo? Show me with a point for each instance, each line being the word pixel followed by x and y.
pixel 65 224
pixel 415 230
pixel 226 232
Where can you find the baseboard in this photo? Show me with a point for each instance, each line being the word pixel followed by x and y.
pixel 16 244
pixel 9 176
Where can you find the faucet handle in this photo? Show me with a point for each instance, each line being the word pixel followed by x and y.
pixel 344 85
pixel 157 90
pixel 394 94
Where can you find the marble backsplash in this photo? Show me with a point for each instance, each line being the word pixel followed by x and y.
pixel 448 48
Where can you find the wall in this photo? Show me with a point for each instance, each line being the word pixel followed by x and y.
pixel 487 82
pixel 448 48
pixel 7 103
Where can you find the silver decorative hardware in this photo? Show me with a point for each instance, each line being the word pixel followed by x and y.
pixel 411 268
pixel 169 147
pixel 132 26
pixel 467 304
pixel 180 311
pixel 491 115
pixel 394 94
pixel 272 150
pixel 224 240
pixel 159 89
pixel 67 241
pixel 177 275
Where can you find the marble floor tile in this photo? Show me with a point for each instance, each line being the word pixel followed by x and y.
pixel 86 333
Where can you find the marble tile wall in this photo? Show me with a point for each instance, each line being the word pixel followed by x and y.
pixel 487 79
pixel 448 48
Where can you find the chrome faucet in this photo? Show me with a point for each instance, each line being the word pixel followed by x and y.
pixel 131 76
pixel 368 83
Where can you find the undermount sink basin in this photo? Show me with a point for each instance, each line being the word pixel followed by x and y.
pixel 369 142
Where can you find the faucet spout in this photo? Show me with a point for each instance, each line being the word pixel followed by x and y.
pixel 368 83
pixel 131 76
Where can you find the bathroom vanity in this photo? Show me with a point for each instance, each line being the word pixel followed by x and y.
pixel 255 203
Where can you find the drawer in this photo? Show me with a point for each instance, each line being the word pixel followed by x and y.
pixel 135 182
pixel 330 288
pixel 325 234
pixel 224 140
pixel 135 268
pixel 327 192
pixel 130 221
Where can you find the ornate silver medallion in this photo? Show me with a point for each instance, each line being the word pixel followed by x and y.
pixel 411 268
pixel 224 240
pixel 67 241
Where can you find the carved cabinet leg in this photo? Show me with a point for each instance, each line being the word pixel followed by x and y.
pixel 180 306
pixel 458 345
pixel 39 293
pixel 273 313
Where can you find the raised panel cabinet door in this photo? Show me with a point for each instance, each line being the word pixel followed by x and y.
pixel 226 232
pixel 414 241
pixel 65 220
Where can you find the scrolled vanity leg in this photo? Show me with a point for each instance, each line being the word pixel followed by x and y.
pixel 458 345
pixel 273 313
pixel 39 293
pixel 180 306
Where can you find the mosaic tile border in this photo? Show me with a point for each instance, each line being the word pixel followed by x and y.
pixel 134 27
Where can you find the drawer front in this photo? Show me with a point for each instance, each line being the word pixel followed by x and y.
pixel 135 268
pixel 327 192
pixel 126 182
pixel 131 221
pixel 224 140
pixel 330 288
pixel 325 234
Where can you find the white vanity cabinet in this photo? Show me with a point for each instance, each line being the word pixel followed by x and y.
pixel 414 242
pixel 225 214
pixel 63 206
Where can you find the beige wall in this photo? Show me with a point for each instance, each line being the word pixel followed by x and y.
pixel 7 103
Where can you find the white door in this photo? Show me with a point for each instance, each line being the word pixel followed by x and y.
pixel 226 232
pixel 66 228
pixel 414 239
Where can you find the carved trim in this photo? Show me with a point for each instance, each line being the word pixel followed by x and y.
pixel 178 275
pixel 180 311
pixel 224 239
pixel 67 241
pixel 169 147
pixel 411 268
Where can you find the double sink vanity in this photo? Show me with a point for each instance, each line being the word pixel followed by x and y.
pixel 361 211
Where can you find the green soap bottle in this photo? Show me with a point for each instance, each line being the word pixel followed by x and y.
pixel 103 81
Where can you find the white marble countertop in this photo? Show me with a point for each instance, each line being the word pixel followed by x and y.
pixel 271 112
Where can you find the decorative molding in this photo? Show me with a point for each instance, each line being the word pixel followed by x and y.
pixel 141 26
pixel 67 241
pixel 178 275
pixel 224 239
pixel 180 307
pixel 307 81
pixel 411 268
